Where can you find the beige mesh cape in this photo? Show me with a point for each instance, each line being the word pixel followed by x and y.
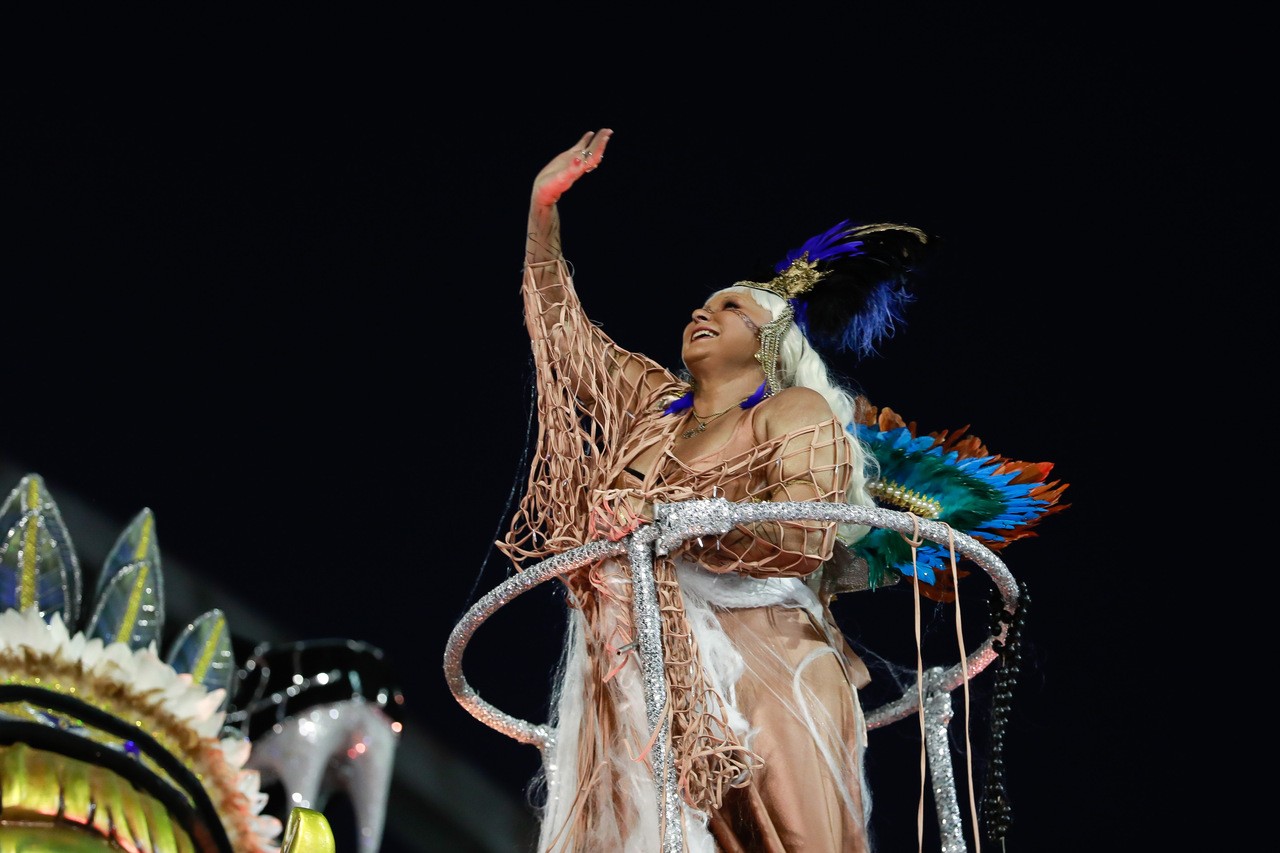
pixel 776 681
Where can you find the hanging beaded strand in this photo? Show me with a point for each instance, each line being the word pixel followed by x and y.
pixel 996 811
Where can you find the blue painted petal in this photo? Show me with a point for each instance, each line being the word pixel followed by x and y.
pixel 137 543
pixel 131 608
pixel 38 563
pixel 204 650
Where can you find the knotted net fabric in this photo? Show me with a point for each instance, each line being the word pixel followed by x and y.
pixel 605 453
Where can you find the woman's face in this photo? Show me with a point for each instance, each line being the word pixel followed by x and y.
pixel 727 327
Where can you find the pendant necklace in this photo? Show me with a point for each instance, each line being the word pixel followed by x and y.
pixel 702 422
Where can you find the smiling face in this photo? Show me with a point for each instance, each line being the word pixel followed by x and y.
pixel 726 328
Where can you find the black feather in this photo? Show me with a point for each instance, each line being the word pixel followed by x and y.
pixel 867 284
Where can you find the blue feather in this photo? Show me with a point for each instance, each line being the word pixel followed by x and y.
pixel 679 404
pixel 824 247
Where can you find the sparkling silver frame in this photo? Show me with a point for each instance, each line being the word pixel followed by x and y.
pixel 677 522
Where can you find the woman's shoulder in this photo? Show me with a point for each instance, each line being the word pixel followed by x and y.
pixel 792 410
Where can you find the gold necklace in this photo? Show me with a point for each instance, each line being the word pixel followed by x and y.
pixel 702 422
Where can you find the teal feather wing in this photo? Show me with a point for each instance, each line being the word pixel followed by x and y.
pixel 952 478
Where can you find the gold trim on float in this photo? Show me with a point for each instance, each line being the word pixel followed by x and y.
pixel 50 801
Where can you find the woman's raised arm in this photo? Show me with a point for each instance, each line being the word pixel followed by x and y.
pixel 551 183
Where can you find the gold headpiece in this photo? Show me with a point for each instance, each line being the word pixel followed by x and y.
pixel 799 277
pixel 771 335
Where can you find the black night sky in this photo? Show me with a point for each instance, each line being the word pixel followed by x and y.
pixel 278 305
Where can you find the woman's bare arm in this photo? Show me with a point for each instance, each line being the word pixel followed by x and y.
pixel 542 241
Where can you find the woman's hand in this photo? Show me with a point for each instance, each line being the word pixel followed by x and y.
pixel 564 170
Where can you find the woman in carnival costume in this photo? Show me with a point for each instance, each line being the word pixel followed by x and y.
pixel 765 728
pixel 717 668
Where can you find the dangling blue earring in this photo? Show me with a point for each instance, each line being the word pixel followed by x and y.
pixel 679 404
pixel 760 394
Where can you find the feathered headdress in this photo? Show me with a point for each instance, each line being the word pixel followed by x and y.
pixel 849 284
